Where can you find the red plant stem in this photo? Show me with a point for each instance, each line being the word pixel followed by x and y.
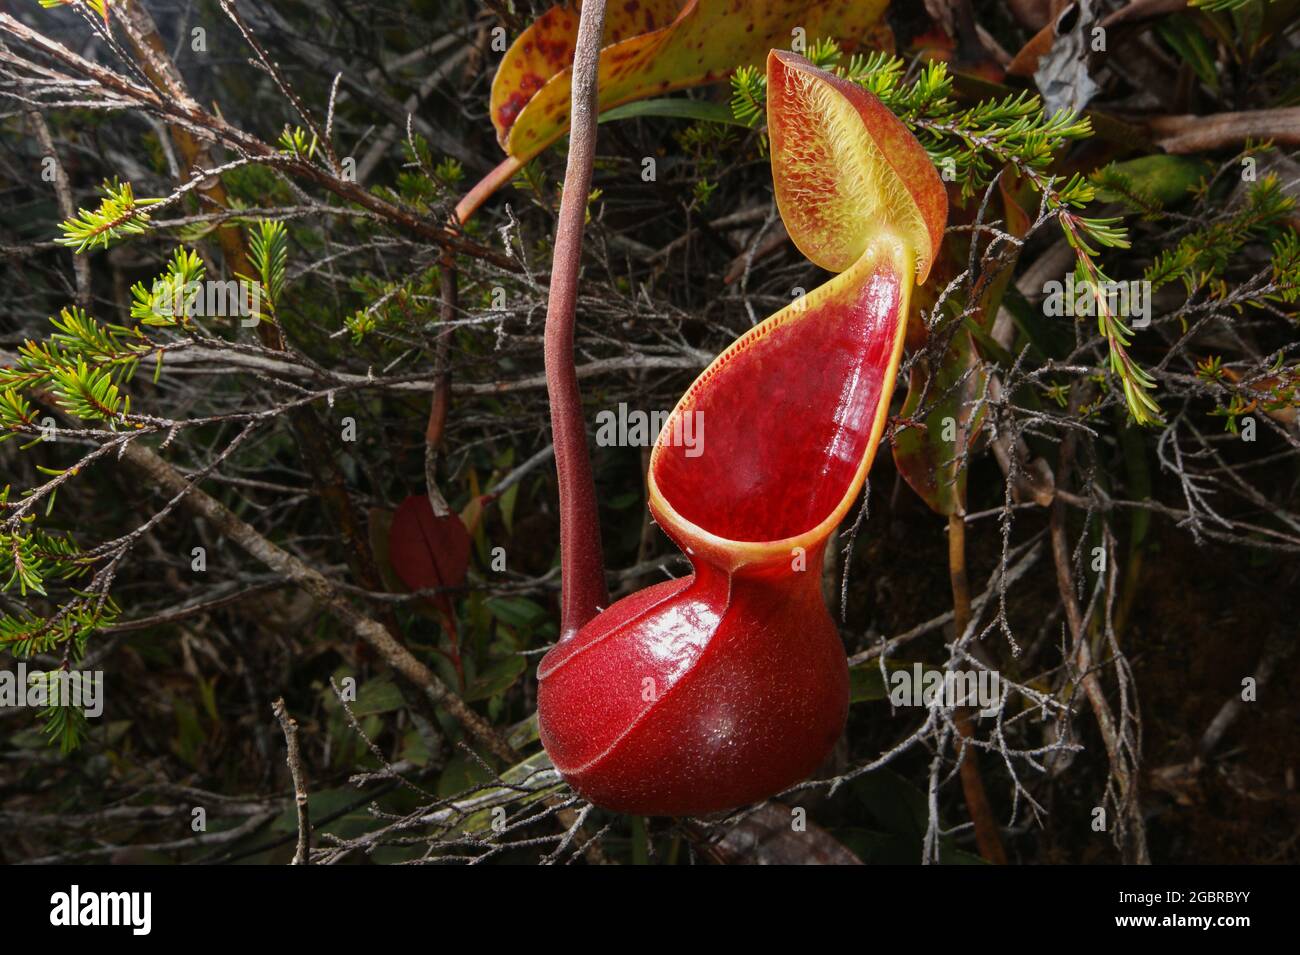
pixel 582 568
pixel 485 187
pixel 972 783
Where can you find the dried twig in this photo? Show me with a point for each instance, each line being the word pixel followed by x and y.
pixel 302 855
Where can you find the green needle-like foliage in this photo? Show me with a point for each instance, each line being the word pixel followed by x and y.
pixel 120 214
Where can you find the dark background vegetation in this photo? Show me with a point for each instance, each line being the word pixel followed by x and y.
pixel 194 660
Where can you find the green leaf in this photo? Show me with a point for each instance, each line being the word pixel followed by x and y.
pixel 530 786
pixel 897 805
pixel 461 775
pixel 1166 179
pixel 518 612
pixel 524 732
pixel 320 804
pixel 1191 46
pixel 866 682
pixel 930 456
pixel 497 678
pixel 377 696
pixel 673 108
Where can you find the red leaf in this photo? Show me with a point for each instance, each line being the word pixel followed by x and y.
pixel 427 550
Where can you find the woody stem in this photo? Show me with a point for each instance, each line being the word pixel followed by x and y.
pixel 583 591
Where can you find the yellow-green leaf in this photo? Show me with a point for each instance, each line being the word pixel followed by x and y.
pixel 653 46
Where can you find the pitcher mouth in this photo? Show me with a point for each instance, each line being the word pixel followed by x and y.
pixel 790 417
